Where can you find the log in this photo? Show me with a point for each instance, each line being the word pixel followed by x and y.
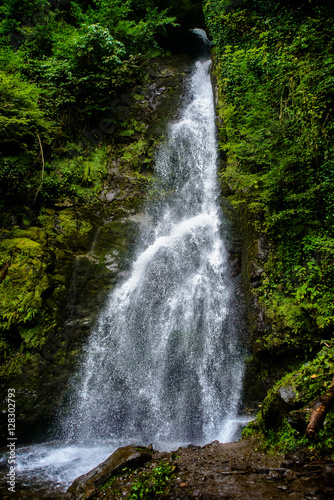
pixel 320 408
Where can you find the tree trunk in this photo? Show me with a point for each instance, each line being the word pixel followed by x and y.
pixel 320 408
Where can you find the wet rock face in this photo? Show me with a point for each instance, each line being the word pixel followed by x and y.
pixel 87 485
pixel 77 284
pixel 94 273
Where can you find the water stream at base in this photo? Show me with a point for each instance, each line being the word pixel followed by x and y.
pixel 164 365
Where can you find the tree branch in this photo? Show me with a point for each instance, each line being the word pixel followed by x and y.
pixel 43 167
pixel 320 408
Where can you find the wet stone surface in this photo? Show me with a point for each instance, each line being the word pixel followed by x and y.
pixel 238 471
pixel 232 471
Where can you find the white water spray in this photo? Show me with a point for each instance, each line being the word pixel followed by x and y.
pixel 164 363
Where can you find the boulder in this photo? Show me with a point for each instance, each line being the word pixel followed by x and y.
pixel 277 405
pixel 87 486
pixel 288 394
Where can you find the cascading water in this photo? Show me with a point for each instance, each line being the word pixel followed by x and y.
pixel 164 364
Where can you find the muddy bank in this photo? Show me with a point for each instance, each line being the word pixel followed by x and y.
pixel 228 471
pixel 239 471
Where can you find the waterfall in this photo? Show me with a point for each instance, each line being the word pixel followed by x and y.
pixel 163 364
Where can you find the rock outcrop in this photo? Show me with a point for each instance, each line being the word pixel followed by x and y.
pixel 88 485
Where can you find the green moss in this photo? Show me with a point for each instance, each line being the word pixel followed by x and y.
pixel 24 283
pixel 12 362
pixel 138 97
pixel 152 483
pixel 306 383
pixel 109 484
pixel 75 172
pixel 66 226
pixel 133 154
pixel 32 286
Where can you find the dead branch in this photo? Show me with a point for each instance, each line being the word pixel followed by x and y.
pixel 320 408
pixel 43 167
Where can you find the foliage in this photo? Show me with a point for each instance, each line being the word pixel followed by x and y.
pixel 73 172
pixel 134 23
pixel 152 483
pixel 20 113
pixel 275 70
pixel 13 172
pixel 76 173
pixel 62 66
pixel 307 382
pixel 82 59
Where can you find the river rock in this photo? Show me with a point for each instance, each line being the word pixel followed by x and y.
pixel 86 486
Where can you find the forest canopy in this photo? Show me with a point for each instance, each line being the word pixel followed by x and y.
pixel 62 65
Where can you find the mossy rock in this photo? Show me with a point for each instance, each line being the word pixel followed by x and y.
pixel 125 458
pixel 24 278
pixel 67 227
pixel 285 411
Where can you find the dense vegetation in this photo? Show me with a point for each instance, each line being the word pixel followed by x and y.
pixel 275 72
pixel 62 67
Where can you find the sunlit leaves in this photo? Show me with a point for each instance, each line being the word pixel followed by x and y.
pixel 20 113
